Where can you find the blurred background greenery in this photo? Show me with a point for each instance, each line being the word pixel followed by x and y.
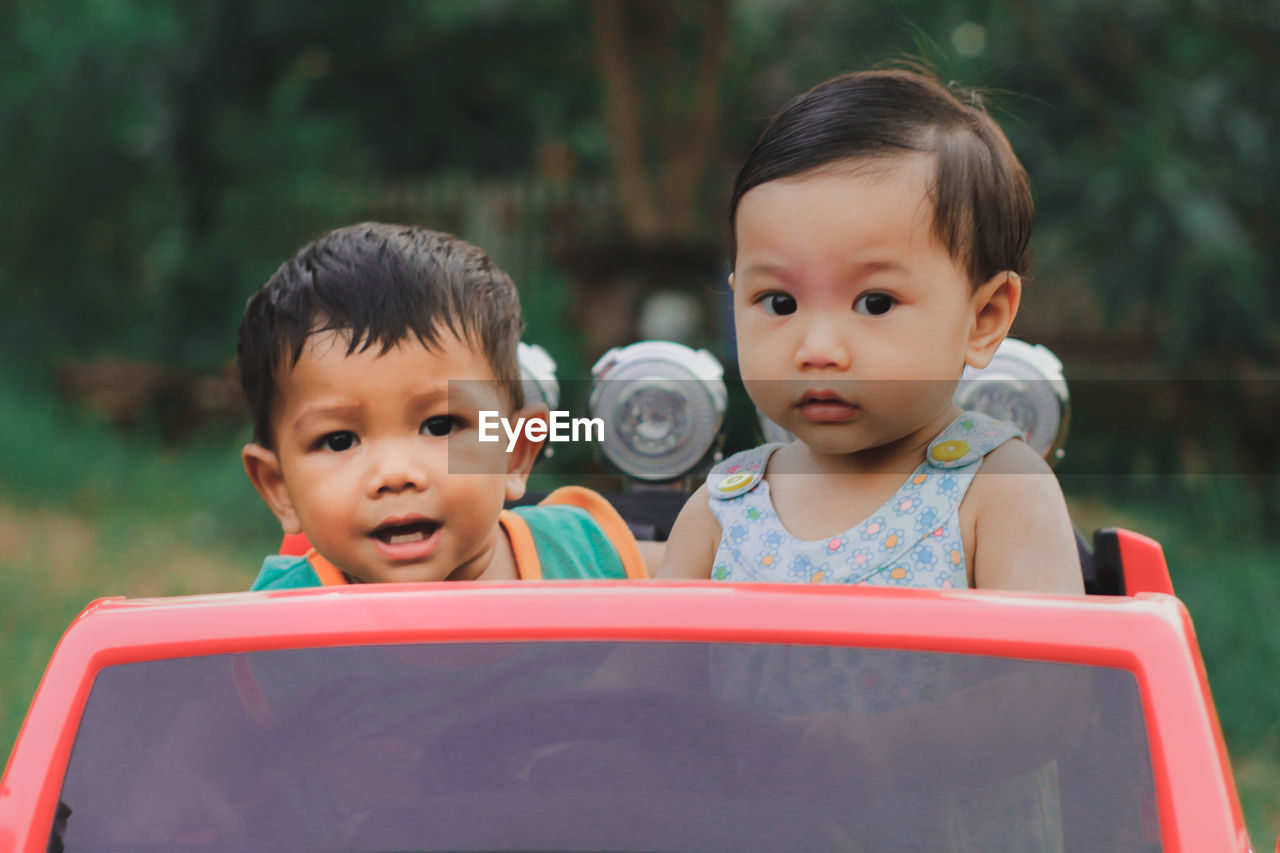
pixel 158 160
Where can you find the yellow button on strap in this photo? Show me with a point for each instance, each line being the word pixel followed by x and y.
pixel 735 482
pixel 949 451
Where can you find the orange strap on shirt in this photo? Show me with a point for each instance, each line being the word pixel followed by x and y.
pixel 528 566
pixel 615 529
pixel 613 525
pixel 327 572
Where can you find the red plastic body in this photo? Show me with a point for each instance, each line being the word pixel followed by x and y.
pixel 1143 564
pixel 295 545
pixel 1149 635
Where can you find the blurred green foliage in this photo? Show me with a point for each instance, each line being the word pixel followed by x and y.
pixel 1152 161
pixel 158 160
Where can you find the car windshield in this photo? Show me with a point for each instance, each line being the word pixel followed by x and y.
pixel 608 746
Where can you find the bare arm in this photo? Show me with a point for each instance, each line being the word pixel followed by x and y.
pixel 1023 538
pixel 691 547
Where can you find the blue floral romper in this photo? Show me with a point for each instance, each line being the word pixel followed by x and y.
pixel 913 540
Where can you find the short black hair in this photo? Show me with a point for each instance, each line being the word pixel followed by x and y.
pixel 379 283
pixel 983 209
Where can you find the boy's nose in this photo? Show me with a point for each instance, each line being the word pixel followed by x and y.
pixel 822 347
pixel 396 470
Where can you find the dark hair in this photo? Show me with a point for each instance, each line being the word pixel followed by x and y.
pixel 983 210
pixel 379 283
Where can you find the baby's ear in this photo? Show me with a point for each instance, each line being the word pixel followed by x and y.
pixel 263 468
pixel 521 458
pixel 994 304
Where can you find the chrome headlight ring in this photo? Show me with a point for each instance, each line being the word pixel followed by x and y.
pixel 663 407
pixel 538 376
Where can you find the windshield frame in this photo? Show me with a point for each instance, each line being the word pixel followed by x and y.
pixel 1149 635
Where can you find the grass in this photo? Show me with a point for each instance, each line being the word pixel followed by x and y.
pixel 86 513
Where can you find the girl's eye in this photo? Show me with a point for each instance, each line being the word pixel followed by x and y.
pixel 339 441
pixel 778 304
pixel 874 303
pixel 439 425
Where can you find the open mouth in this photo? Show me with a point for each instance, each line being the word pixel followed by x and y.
pixel 406 533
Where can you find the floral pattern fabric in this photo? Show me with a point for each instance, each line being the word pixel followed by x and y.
pixel 912 540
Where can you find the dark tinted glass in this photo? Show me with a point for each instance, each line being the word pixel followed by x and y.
pixel 607 746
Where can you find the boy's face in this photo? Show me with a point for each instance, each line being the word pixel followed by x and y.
pixel 377 459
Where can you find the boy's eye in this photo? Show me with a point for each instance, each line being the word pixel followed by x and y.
pixel 778 304
pixel 339 441
pixel 439 425
pixel 874 303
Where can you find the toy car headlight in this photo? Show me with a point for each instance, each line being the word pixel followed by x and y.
pixel 538 375
pixel 663 407
pixel 1024 385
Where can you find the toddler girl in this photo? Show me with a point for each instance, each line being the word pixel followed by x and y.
pixel 879 231
pixel 878 234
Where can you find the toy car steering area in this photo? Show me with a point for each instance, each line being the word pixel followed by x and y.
pixel 664 405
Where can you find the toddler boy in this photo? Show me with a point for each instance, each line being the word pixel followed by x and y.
pixel 366 360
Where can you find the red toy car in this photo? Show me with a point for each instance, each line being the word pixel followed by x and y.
pixel 611 715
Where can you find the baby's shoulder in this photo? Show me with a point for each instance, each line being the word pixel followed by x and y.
pixel 1015 457
pixel 1017 518
pixel 1013 479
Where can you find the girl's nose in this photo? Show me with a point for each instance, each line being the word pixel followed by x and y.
pixel 822 347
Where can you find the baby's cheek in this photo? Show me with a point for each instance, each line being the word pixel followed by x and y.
pixel 466 454
pixel 769 395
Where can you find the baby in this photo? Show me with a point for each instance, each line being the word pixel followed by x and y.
pixel 367 359
pixel 878 239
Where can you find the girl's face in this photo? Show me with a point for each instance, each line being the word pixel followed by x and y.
pixel 854 323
